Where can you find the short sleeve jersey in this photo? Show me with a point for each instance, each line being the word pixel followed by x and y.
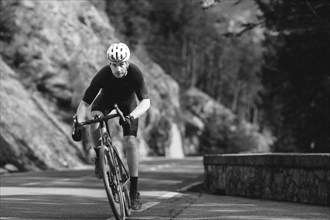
pixel 122 91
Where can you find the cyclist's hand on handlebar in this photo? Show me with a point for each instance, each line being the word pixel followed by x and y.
pixel 76 130
pixel 128 121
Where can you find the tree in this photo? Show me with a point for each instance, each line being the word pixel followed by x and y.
pixel 131 19
pixel 296 99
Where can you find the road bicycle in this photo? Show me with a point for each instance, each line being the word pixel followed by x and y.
pixel 114 174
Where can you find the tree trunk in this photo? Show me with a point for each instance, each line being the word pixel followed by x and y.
pixel 237 91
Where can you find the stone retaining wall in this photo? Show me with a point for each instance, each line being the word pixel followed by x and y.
pixel 301 178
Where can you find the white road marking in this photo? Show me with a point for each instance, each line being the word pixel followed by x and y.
pixel 170 195
pixel 160 194
pixel 94 193
pixel 185 188
pixel 146 206
pixel 31 184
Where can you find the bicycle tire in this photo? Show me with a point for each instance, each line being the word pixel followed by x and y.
pixel 127 201
pixel 112 184
pixel 123 175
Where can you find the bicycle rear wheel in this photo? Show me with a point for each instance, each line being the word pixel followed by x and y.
pixel 111 182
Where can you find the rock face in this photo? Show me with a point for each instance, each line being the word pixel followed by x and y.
pixel 30 138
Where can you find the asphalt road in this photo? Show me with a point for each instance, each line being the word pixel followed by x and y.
pixel 77 194
pixel 169 190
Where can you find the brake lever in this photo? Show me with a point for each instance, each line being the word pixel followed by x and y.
pixel 119 112
pixel 75 121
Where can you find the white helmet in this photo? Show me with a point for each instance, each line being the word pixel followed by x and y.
pixel 118 52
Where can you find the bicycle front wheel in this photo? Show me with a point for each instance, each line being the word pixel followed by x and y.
pixel 127 201
pixel 111 182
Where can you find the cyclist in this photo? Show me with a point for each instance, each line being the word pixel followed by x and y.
pixel 119 82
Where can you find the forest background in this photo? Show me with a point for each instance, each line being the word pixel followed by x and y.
pixel 269 65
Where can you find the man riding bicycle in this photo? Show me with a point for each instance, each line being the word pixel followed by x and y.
pixel 119 82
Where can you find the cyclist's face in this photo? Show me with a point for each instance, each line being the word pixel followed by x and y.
pixel 119 70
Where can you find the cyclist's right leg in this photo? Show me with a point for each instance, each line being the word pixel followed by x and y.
pixel 96 138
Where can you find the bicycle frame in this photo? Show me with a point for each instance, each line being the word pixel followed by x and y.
pixel 106 141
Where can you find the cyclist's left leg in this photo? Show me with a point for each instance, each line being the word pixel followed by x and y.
pixel 132 154
pixel 131 147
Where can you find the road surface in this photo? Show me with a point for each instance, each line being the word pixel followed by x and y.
pixel 167 189
pixel 77 194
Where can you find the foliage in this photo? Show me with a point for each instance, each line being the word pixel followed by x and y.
pixel 7 24
pixel 295 74
pixel 134 26
pixel 217 128
pixel 159 140
pixel 231 136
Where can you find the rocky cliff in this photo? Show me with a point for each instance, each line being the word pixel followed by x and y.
pixel 31 135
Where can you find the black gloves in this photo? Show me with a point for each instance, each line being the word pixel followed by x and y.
pixel 76 131
pixel 128 121
pixel 76 134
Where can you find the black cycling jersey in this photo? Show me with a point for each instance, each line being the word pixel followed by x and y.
pixel 122 91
